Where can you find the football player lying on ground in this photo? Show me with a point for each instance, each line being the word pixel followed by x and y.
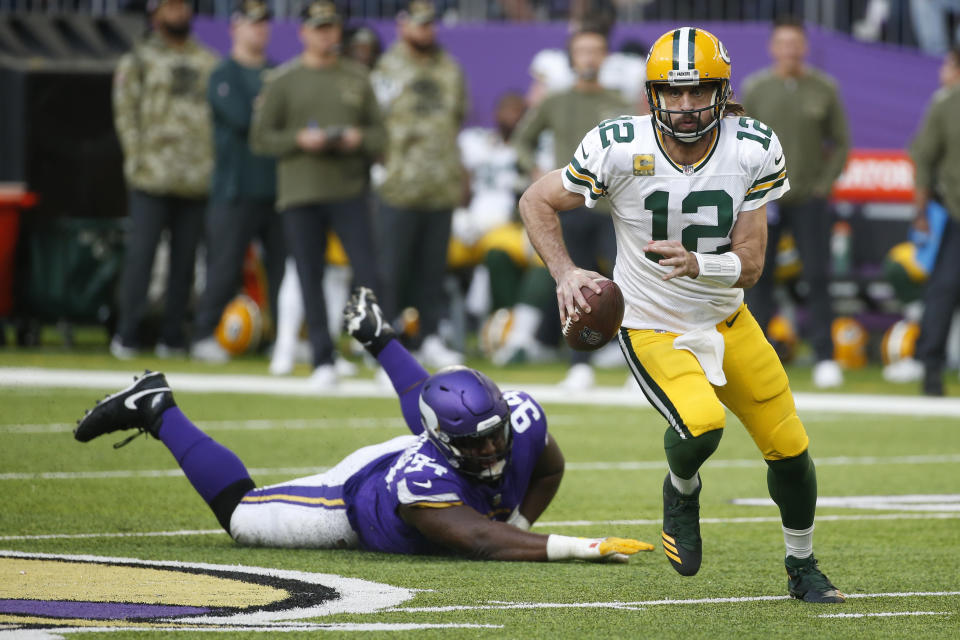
pixel 479 468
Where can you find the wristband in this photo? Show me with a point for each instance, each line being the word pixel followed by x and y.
pixel 722 270
pixel 566 547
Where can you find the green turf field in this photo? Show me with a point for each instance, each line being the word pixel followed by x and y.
pixel 900 561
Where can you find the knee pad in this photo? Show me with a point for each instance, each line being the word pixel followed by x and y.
pixel 788 439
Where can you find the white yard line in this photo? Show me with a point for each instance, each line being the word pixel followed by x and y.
pixel 546 525
pixel 885 614
pixel 35 377
pixel 497 605
pixel 635 465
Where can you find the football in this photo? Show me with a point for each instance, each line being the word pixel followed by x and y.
pixel 597 328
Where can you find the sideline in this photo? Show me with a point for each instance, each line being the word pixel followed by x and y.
pixel 34 377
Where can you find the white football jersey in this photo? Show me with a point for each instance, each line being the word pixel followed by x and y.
pixel 653 198
pixel 495 179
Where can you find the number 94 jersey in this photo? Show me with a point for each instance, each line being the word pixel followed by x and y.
pixel 653 198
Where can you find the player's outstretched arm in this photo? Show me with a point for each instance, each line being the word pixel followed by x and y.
pixel 538 208
pixel 464 531
pixel 544 482
pixel 364 320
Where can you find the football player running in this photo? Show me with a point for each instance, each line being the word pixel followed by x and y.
pixel 479 468
pixel 688 186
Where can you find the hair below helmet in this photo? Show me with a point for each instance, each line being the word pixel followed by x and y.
pixel 687 57
pixel 466 417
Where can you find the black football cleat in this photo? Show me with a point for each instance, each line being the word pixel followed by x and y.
pixel 364 320
pixel 681 529
pixel 806 582
pixel 139 406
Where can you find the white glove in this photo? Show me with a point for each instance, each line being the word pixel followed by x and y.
pixel 594 549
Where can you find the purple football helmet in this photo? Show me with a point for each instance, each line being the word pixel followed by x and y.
pixel 466 417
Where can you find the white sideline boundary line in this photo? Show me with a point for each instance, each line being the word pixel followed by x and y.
pixel 36 377
pixel 554 523
pixel 498 605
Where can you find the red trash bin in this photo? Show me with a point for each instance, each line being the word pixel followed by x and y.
pixel 13 198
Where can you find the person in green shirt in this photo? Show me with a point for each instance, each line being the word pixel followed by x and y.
pixel 936 155
pixel 243 187
pixel 318 115
pixel 802 105
pixel 588 235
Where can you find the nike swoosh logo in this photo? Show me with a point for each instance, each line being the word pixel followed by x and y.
pixel 777 161
pixel 131 401
pixel 425 485
pixel 730 322
pixel 583 151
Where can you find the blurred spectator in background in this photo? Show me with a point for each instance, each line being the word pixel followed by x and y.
pixel 802 105
pixel 163 122
pixel 422 91
pixel 589 235
pixel 487 224
pixel 930 23
pixel 624 71
pixel 243 188
pixel 318 115
pixel 363 46
pixel 936 154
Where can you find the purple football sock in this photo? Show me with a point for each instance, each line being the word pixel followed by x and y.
pixel 209 466
pixel 407 377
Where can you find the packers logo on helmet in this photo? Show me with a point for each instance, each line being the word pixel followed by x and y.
pixel 240 326
pixel 688 57
pixel 849 343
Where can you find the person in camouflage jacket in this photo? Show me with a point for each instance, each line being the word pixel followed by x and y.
pixel 422 94
pixel 163 123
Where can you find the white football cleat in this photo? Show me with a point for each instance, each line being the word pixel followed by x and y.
pixel 323 378
pixel 827 374
pixel 903 371
pixel 209 350
pixel 579 377
pixel 344 368
pixel 433 353
pixel 121 352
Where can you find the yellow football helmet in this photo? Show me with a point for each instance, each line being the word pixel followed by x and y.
pixel 899 341
pixel 684 57
pixel 241 326
pixel 849 343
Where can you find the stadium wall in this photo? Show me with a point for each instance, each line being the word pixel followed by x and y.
pixel 885 87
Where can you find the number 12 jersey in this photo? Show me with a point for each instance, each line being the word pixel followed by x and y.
pixel 654 198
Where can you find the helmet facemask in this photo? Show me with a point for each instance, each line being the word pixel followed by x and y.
pixel 465 416
pixel 469 453
pixel 664 117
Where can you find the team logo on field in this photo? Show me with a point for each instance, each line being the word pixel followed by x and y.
pixel 643 164
pixel 86 593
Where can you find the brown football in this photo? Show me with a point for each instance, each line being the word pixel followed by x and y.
pixel 597 328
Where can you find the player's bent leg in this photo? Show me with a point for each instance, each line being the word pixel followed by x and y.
pixel 148 406
pixel 674 382
pixel 758 392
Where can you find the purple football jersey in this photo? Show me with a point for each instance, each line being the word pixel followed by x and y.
pixel 421 475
